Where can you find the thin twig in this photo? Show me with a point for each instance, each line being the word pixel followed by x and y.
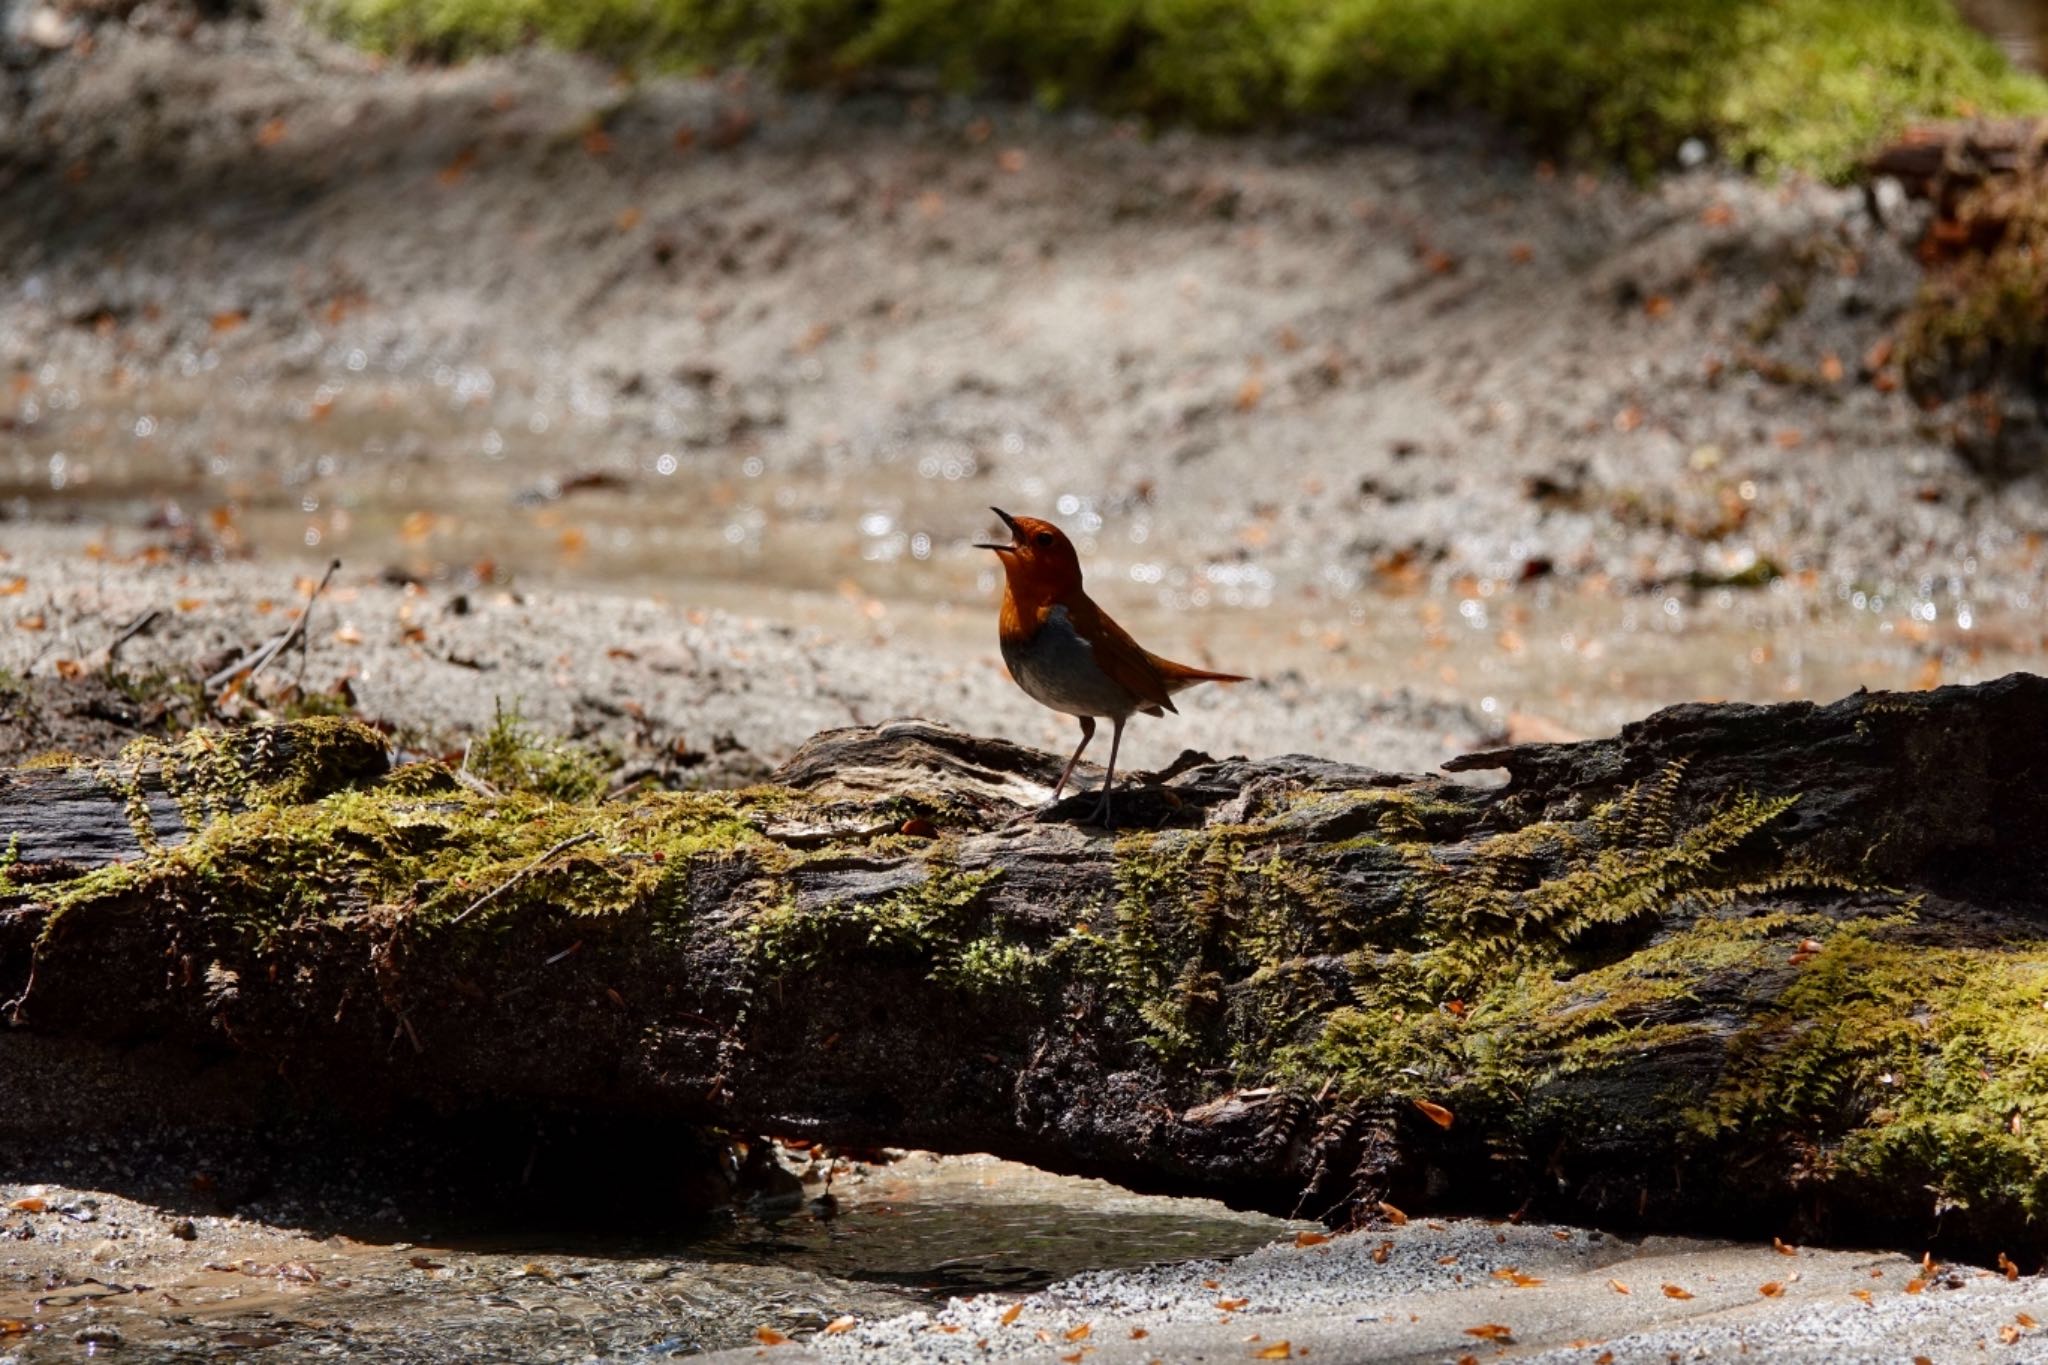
pixel 249 665
pixel 129 632
pixel 522 874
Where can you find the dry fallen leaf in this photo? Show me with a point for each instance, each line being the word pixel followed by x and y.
pixel 1770 1289
pixel 1915 1285
pixel 1310 1239
pixel 1491 1331
pixel 1672 1291
pixel 69 669
pixel 1011 1314
pixel 30 1205
pixel 2008 1333
pixel 1863 1294
pixel 768 1336
pixel 13 587
pixel 838 1325
pixel 2007 1268
pixel 1077 1333
pixel 1517 1278
pixel 1392 1214
pixel 1435 1113
pixel 1279 1350
pixel 1604 1358
pixel 32 622
pixel 1782 1249
pixel 1231 1305
pixel 1139 1334
pixel 1379 1253
pixel 1617 1286
pixel 2025 1320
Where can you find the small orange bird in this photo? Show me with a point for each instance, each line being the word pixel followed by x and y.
pixel 1067 654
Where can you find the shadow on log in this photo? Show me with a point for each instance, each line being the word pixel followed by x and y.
pixel 1756 969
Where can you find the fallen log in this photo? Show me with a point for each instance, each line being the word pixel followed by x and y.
pixel 1762 969
pixel 1941 161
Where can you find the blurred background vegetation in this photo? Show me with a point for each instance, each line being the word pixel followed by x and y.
pixel 1802 84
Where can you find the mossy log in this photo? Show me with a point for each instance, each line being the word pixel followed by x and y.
pixel 1763 969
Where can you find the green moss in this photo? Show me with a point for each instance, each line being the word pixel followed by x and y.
pixel 1781 83
pixel 931 920
pixel 1921 1068
pixel 416 844
pixel 512 756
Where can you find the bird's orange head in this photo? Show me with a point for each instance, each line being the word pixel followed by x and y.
pixel 1039 562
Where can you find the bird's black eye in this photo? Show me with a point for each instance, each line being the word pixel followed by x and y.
pixel 1044 539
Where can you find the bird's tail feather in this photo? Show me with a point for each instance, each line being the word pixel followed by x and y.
pixel 1176 676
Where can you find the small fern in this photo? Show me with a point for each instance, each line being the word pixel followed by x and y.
pixel 1546 889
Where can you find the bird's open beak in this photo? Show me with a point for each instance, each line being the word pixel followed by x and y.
pixel 1007 521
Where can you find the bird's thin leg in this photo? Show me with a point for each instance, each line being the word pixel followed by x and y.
pixel 1087 733
pixel 1116 737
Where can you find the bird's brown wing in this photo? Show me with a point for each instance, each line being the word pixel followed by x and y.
pixel 1118 655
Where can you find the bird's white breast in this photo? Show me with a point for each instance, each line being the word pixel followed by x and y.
pixel 1057 668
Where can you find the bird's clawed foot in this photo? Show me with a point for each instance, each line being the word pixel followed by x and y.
pixel 1096 814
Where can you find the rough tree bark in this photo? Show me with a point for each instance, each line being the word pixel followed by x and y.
pixel 1766 969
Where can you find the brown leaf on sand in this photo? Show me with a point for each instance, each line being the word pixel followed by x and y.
pixel 1392 1214
pixel 1672 1291
pixel 1491 1331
